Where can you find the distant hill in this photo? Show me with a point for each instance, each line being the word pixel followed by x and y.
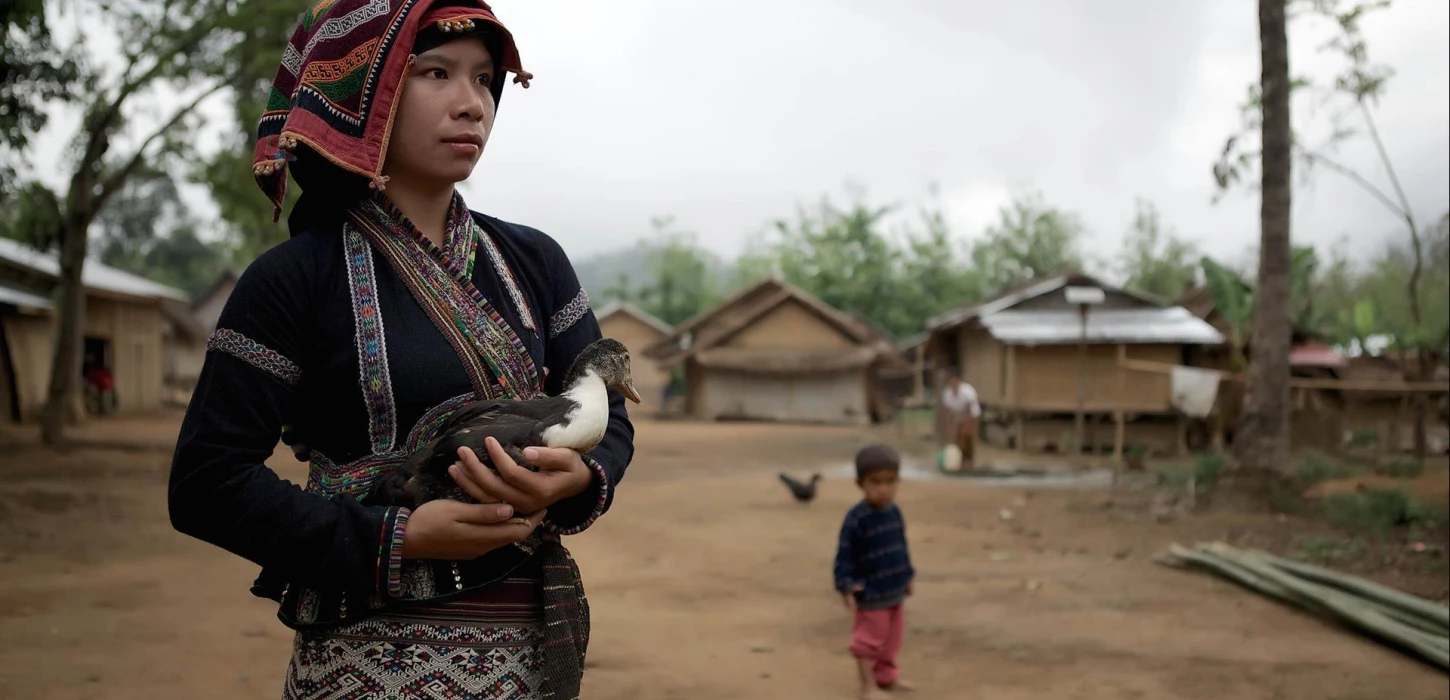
pixel 601 271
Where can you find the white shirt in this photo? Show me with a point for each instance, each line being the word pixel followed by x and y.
pixel 963 400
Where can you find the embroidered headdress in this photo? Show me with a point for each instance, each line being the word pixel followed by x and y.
pixel 334 97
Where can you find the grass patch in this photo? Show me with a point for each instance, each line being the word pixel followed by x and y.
pixel 1379 511
pixel 1327 550
pixel 1205 472
pixel 1209 468
pixel 1314 468
pixel 1403 468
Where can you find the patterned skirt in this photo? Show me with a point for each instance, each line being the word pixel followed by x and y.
pixel 485 647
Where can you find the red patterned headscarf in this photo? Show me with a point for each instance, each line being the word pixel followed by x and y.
pixel 335 94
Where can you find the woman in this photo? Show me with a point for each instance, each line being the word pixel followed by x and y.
pixel 391 305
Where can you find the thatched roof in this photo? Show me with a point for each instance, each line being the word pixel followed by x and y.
pixel 628 309
pixel 784 361
pixel 715 327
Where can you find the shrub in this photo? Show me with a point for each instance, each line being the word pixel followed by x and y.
pixel 1404 468
pixel 1314 468
pixel 1378 511
pixel 1208 468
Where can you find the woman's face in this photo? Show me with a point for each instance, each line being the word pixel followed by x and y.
pixel 444 115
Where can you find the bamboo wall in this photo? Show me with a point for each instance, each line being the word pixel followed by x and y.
pixel 1045 378
pixel 134 332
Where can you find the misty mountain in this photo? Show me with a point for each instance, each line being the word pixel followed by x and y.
pixel 601 271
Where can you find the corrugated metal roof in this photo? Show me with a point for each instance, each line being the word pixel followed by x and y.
pixel 1174 325
pixel 95 276
pixel 20 297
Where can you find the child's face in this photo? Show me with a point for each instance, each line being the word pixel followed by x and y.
pixel 879 487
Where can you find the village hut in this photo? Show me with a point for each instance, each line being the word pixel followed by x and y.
pixel 1025 352
pixel 1345 401
pixel 187 331
pixel 638 330
pixel 124 330
pixel 774 352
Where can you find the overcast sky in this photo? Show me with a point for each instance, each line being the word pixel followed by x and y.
pixel 727 115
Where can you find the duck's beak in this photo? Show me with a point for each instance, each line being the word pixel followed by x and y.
pixel 627 388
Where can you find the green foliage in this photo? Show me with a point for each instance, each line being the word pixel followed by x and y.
pixel 1234 301
pixel 1379 511
pixel 1314 468
pixel 34 218
pixel 1154 260
pixel 245 212
pixel 1205 471
pixel 32 72
pixel 1401 468
pixel 680 284
pixel 842 256
pixel 1031 240
pixel 1208 468
pixel 147 231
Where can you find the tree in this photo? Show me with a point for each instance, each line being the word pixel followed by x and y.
pixel 184 45
pixel 841 256
pixel 245 213
pixel 1359 85
pixel 1030 241
pixel 146 230
pixel 1262 443
pixel 934 275
pixel 681 284
pixel 32 72
pixel 1155 260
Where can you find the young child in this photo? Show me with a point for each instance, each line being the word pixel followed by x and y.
pixel 873 572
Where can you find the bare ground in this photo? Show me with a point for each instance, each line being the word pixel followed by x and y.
pixel 707 582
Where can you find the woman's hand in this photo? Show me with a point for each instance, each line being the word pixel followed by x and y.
pixel 448 529
pixel 562 473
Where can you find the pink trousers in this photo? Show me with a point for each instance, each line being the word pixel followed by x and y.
pixel 876 635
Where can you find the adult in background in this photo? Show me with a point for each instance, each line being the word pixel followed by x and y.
pixel 963 417
pixel 392 305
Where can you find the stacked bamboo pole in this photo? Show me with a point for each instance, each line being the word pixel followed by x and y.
pixel 1413 625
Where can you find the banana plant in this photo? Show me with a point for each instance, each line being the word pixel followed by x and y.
pixel 1359 323
pixel 1234 301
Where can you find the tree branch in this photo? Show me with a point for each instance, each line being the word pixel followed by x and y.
pixel 1379 145
pixel 112 183
pixel 191 40
pixel 1316 159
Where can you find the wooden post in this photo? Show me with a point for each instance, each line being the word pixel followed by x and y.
pixel 1077 424
pixel 1120 418
pixel 1011 395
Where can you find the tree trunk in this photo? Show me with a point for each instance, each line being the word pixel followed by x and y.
pixel 63 400
pixel 1263 442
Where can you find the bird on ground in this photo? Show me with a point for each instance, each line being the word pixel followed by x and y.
pixel 803 492
pixel 576 418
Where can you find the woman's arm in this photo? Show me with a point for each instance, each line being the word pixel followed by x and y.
pixel 222 492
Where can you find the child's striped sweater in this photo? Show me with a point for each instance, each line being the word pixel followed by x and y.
pixel 872 553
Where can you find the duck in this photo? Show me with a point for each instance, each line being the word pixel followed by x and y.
pixel 803 492
pixel 577 419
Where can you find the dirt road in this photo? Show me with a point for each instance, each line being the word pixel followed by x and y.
pixel 707 582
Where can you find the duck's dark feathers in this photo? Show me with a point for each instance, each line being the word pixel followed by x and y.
pixel 515 424
pixel 575 419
